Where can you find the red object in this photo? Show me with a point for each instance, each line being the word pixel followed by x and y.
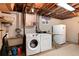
pixel 19 51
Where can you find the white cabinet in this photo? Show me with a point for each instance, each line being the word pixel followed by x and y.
pixel 60 39
pixel 46 42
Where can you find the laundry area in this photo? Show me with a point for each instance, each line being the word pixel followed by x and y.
pixel 39 29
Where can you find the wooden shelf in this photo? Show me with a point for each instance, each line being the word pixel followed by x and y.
pixel 4 21
pixel 1 30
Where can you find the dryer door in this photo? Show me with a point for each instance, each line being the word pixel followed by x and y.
pixel 33 44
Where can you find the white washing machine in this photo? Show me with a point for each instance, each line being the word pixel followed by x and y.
pixel 46 41
pixel 32 43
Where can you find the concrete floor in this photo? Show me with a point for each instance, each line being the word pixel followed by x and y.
pixel 66 50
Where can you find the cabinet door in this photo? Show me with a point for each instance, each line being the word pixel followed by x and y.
pixel 59 39
pixel 46 42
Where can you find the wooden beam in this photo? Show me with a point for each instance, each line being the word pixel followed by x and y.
pixel 9 6
pixel 31 6
pixel 18 7
pixel 49 5
pixel 12 6
pixel 52 11
pixel 51 8
pixel 45 6
pixel 63 13
pixel 43 9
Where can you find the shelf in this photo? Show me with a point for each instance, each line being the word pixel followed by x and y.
pixel 4 21
pixel 1 30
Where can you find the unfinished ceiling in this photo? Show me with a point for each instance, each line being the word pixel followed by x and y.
pixel 45 9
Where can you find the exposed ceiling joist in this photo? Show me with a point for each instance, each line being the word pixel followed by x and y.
pixel 9 6
pixel 46 9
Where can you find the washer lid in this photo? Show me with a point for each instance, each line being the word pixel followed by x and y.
pixel 33 44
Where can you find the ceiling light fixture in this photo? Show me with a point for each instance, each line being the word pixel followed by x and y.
pixel 66 6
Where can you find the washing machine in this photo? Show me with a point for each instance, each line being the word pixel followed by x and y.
pixel 46 41
pixel 32 43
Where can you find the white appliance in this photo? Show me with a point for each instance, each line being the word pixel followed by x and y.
pixel 59 33
pixel 32 43
pixel 46 41
pixel 44 24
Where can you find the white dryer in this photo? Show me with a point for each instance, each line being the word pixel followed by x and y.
pixel 46 41
pixel 32 43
